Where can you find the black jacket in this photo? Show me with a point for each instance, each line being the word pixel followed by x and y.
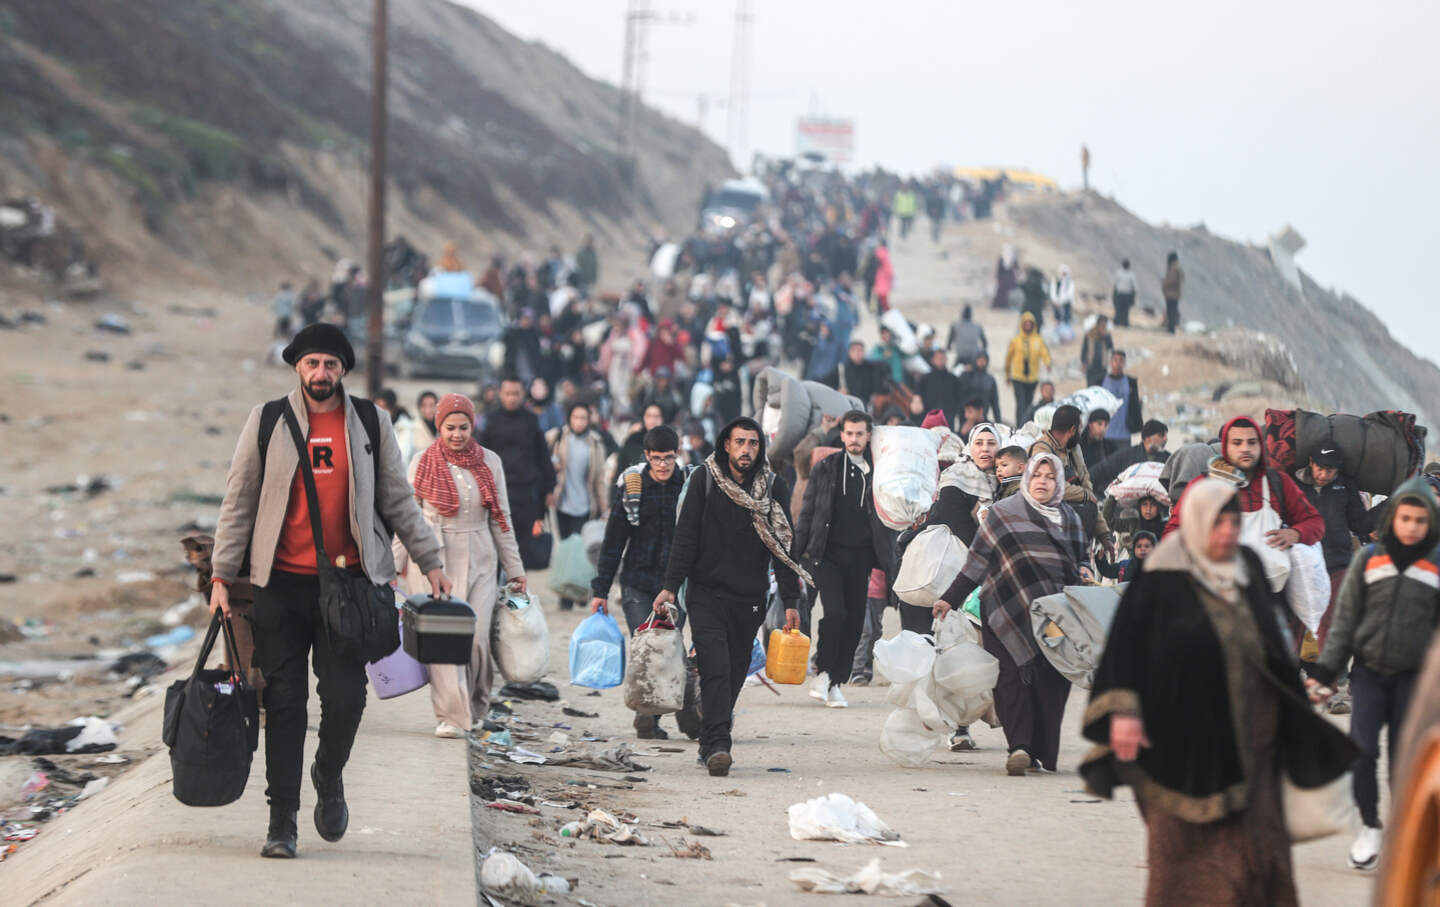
pixel 1344 514
pixel 716 546
pixel 955 509
pixel 517 438
pixel 812 529
pixel 981 386
pixel 941 390
pixel 858 380
pixel 646 546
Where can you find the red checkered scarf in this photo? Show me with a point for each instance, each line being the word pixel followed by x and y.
pixel 434 483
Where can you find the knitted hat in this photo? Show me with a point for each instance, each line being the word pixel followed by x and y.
pixel 450 404
pixel 320 338
pixel 934 419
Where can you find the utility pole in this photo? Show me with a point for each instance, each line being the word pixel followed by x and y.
pixel 375 287
pixel 638 19
pixel 737 124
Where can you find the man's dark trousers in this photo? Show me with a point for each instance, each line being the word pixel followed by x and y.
pixel 842 579
pixel 287 628
pixel 724 635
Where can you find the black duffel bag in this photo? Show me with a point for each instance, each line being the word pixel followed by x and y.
pixel 212 726
pixel 359 615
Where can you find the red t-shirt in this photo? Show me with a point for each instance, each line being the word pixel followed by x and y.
pixel 330 461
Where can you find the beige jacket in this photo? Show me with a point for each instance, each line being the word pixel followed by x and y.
pixel 254 510
pixel 595 485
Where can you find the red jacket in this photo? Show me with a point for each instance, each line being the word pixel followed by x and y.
pixel 1286 496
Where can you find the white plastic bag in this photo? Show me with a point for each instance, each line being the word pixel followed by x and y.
pixel 521 640
pixel 1253 527
pixel 1090 399
pixel 908 740
pixel 1308 589
pixel 930 565
pixel 905 657
pixel 870 879
pixel 835 817
pixel 907 474
pixel 655 672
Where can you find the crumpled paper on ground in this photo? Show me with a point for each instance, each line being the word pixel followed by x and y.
pixel 870 879
pixel 835 817
pixel 601 826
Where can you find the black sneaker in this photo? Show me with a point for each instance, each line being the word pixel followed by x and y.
pixel 281 838
pixel 718 763
pixel 332 816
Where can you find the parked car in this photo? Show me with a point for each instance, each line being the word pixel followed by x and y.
pixel 454 337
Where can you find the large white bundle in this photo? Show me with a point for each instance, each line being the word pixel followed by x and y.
pixel 952 446
pixel 521 640
pixel 930 565
pixel 907 474
pixel 905 338
pixel 905 657
pixel 1139 481
pixel 1091 399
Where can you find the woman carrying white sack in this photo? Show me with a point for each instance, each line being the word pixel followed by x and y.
pixel 461 489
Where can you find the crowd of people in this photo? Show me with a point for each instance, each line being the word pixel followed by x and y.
pixel 634 410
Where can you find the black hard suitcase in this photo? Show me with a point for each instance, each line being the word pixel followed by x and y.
pixel 438 630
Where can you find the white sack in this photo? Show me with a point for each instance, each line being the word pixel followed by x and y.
pixel 907 474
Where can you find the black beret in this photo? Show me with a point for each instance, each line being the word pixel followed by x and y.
pixel 321 338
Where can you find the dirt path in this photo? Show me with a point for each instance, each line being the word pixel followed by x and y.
pixel 134 844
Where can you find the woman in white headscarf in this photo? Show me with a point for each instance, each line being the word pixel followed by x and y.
pixel 1029 545
pixel 1197 706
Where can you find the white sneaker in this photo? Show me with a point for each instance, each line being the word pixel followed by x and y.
pixel 836 699
pixel 1365 852
pixel 447 730
pixel 820 689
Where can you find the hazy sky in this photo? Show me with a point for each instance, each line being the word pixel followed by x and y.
pixel 1243 115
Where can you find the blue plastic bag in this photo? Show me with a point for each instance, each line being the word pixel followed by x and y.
pixel 597 653
pixel 757 657
pixel 571 570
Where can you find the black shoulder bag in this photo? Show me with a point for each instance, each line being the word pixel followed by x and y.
pixel 212 726
pixel 359 615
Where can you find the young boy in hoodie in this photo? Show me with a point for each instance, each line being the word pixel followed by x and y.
pixel 1385 617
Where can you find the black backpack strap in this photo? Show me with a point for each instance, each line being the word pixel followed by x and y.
pixel 1277 490
pixel 269 415
pixel 370 418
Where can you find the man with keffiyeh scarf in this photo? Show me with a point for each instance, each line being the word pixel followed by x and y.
pixel 732 529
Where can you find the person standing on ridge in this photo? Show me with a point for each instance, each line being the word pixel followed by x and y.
pixel 1123 294
pixel 1170 287
pixel 733 528
pixel 1027 352
pixel 360 485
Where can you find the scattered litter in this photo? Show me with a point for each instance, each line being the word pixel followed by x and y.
pixel 173 637
pixel 142 665
pixel 113 323
pixel 112 759
pixel 83 735
pixel 616 759
pixel 558 738
pixel 498 738
pixel 869 880
pixel 6 578
pixel 699 831
pixel 539 689
pixel 61 774
pixel 502 874
pixel 693 851
pixel 603 827
pixel 140 576
pixel 525 757
pixel 91 486
pixel 737 792
pixel 97 356
pixel 512 806
pixel 836 817
pixel 796 860
pixel 92 788
pixel 176 614
pixel 576 713
pixel 785 770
